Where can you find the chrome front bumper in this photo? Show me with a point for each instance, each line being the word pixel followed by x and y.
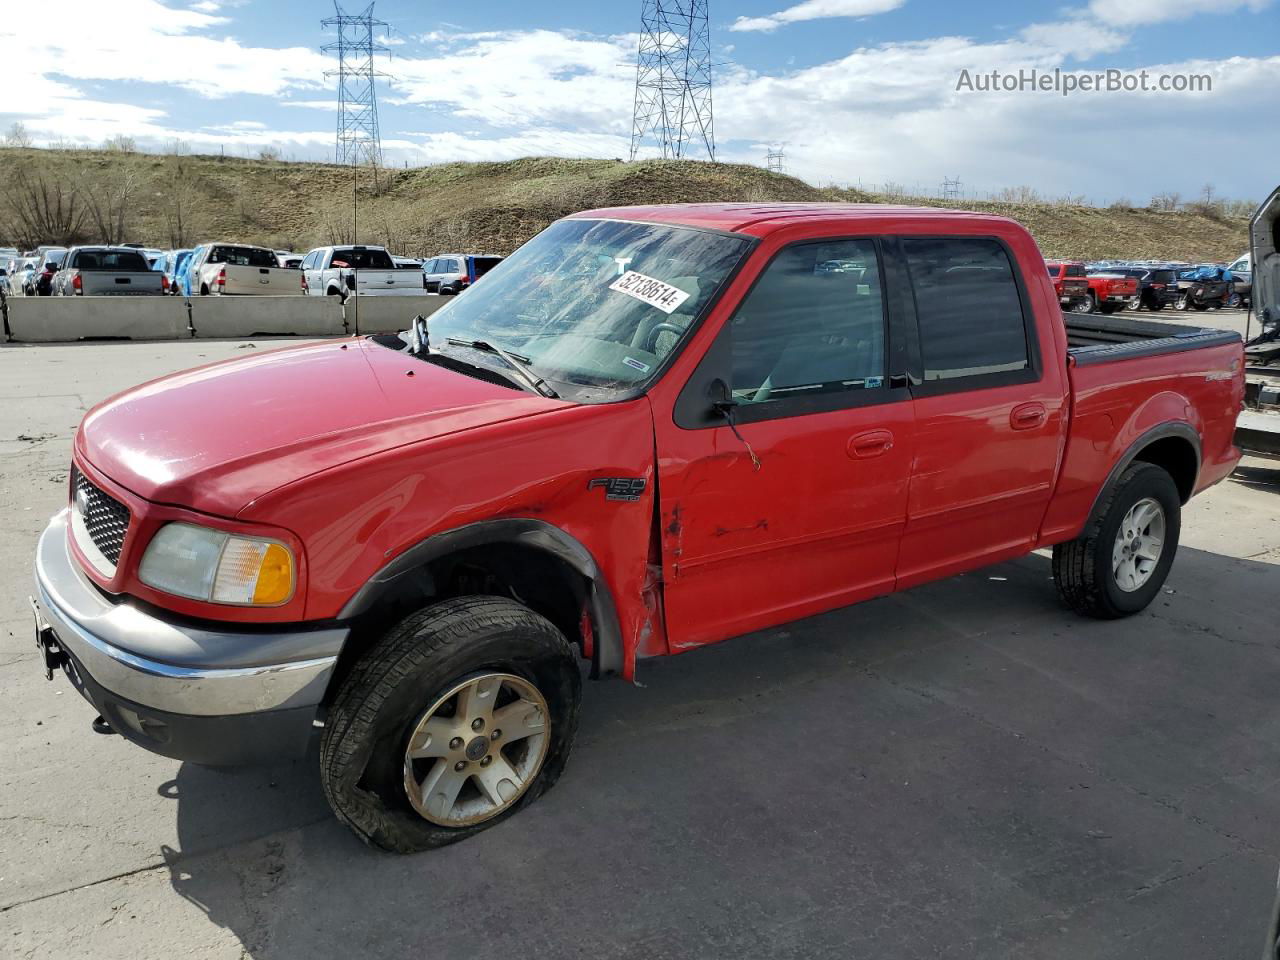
pixel 179 672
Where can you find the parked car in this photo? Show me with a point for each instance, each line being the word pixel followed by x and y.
pixel 42 277
pixel 1157 286
pixel 172 265
pixel 410 540
pixel 1203 288
pixel 346 270
pixel 1109 291
pixel 451 273
pixel 23 282
pixel 289 261
pixel 108 272
pixel 227 269
pixel 182 271
pixel 406 263
pixel 1242 283
pixel 1069 283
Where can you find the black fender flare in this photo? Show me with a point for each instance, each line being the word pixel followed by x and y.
pixel 1172 428
pixel 607 652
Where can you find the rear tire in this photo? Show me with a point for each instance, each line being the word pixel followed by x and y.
pixel 364 766
pixel 1089 569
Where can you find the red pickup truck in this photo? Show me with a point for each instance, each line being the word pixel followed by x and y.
pixel 1109 292
pixel 648 430
pixel 1070 284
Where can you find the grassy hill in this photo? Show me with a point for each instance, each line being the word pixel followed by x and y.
pixel 180 200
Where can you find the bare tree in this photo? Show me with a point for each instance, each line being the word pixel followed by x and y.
pixel 17 135
pixel 108 198
pixel 120 144
pixel 1019 194
pixel 41 210
pixel 269 153
pixel 177 181
pixel 1166 202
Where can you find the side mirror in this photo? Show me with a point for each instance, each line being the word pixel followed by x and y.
pixel 721 399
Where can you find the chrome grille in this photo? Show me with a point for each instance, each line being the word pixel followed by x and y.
pixel 105 518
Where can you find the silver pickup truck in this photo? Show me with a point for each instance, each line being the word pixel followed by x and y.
pixel 106 272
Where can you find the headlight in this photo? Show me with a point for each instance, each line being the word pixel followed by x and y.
pixel 206 564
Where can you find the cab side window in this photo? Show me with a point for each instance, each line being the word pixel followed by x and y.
pixel 814 323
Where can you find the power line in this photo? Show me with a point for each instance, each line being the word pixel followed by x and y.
pixel 673 108
pixel 950 188
pixel 358 139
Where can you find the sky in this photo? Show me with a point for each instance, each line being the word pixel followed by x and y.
pixel 860 91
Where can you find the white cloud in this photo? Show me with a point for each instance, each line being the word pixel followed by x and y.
pixel 1132 13
pixel 816 10
pixel 1080 39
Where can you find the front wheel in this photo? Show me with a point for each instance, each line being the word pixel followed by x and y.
pixel 1118 565
pixel 461 715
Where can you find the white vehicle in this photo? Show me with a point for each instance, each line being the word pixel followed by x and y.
pixel 238 269
pixel 369 271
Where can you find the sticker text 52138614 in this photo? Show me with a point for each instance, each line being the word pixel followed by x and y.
pixel 650 290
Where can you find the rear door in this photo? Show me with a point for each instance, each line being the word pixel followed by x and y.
pixel 798 505
pixel 989 413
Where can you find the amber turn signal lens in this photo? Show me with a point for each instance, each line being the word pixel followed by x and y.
pixel 275 576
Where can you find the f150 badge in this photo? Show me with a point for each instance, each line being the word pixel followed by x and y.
pixel 619 488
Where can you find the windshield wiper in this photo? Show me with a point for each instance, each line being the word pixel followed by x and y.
pixel 515 361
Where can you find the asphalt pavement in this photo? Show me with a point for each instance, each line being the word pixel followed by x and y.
pixel 962 770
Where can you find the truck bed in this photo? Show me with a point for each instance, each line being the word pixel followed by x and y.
pixel 1093 338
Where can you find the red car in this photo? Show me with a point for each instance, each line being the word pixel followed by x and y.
pixel 1069 283
pixel 650 429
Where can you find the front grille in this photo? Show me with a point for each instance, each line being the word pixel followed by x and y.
pixel 105 518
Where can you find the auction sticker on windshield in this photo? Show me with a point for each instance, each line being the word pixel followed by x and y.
pixel 650 290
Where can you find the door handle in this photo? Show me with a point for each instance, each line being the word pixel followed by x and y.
pixel 873 443
pixel 1027 416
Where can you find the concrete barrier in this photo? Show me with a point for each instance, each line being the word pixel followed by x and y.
pixel 67 319
pixel 389 314
pixel 263 316
pixel 60 319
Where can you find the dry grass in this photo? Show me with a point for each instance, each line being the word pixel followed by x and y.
pixel 497 206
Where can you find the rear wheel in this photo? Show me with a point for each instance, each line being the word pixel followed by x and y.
pixel 461 715
pixel 1118 565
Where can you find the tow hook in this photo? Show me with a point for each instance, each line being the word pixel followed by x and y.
pixel 47 642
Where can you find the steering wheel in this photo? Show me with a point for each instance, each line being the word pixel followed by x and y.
pixel 651 341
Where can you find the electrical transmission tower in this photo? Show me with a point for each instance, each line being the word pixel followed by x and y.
pixel 359 141
pixel 776 159
pixel 673 79
pixel 950 188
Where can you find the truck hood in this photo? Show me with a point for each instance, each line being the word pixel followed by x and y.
pixel 216 438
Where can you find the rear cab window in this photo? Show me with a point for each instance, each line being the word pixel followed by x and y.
pixel 363 259
pixel 243 256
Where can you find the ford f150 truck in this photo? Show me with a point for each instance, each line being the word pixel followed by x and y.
pixel 237 269
pixel 703 433
pixel 365 271
pixel 1069 283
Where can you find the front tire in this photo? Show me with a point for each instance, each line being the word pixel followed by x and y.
pixel 404 762
pixel 1118 565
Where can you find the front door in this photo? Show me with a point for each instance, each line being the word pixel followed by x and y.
pixel 798 505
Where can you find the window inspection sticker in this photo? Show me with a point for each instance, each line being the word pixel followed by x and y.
pixel 650 290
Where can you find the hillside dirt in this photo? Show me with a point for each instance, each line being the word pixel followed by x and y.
pixel 167 201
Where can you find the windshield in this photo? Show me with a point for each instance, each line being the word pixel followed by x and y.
pixel 594 303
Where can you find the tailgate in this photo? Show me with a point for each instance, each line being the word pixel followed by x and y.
pixel 101 284
pixel 260 281
pixel 372 282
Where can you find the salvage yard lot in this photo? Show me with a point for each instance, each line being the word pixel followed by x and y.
pixel 965 768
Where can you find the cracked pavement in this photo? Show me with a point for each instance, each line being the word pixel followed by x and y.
pixel 964 768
